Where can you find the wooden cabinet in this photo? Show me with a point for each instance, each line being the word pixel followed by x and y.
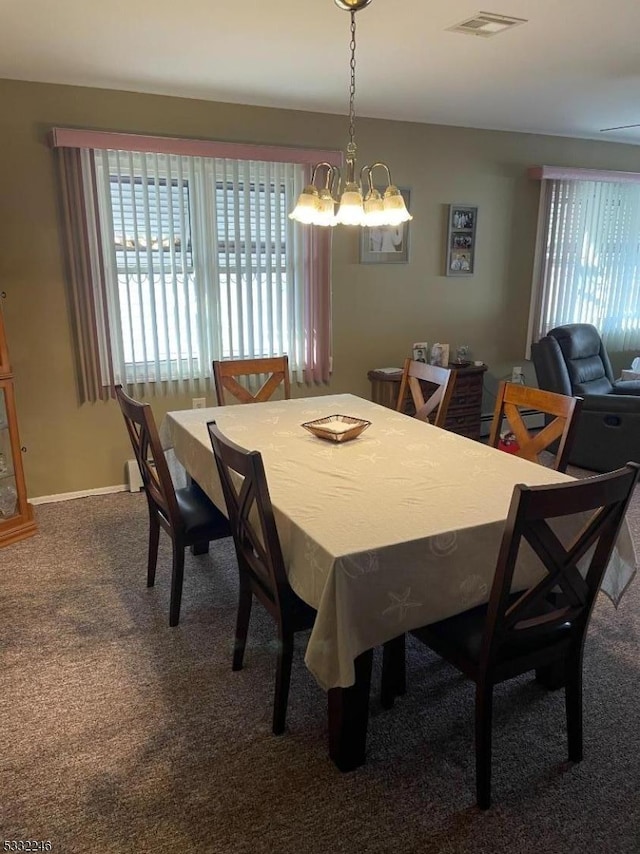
pixel 16 514
pixel 465 408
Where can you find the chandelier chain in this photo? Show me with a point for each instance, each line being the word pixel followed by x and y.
pixel 352 88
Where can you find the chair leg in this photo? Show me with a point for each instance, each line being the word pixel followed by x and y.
pixel 154 537
pixel 573 701
pixel 283 679
pixel 177 574
pixel 484 710
pixel 200 548
pixel 242 625
pixel 552 676
pixel 394 678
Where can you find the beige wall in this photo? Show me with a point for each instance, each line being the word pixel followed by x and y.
pixel 379 310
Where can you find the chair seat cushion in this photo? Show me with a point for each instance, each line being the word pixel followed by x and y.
pixel 464 633
pixel 202 519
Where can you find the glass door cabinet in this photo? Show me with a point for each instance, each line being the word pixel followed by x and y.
pixel 16 514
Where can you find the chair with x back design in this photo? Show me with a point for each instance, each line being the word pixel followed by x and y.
pixel 263 574
pixel 513 399
pixel 226 373
pixel 186 514
pixel 542 628
pixel 435 406
pixel 260 561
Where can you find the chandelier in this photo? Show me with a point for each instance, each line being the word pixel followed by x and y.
pixel 358 201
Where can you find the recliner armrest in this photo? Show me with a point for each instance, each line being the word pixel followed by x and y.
pixel 627 387
pixel 615 403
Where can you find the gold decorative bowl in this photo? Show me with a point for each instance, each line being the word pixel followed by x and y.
pixel 337 428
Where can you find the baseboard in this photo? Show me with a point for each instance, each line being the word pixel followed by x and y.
pixel 83 493
pixel 533 419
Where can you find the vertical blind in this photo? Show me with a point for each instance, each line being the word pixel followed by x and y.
pixel 203 262
pixel 587 267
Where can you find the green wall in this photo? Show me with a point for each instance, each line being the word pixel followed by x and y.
pixel 378 310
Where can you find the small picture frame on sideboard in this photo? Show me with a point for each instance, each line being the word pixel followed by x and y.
pixel 420 352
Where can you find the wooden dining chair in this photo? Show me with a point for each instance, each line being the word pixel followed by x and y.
pixel 226 374
pixel 513 399
pixel 542 628
pixel 441 381
pixel 263 574
pixel 186 514
pixel 262 570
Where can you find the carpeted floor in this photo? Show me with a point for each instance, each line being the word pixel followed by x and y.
pixel 120 734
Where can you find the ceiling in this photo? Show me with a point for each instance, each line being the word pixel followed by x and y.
pixel 572 69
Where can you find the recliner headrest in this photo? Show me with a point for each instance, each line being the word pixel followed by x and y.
pixel 577 340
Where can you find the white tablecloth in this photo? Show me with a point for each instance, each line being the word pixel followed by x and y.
pixel 390 531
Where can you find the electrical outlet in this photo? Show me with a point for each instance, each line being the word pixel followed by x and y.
pixel 517 375
pixel 199 402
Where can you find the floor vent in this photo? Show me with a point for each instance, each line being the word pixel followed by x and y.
pixel 486 24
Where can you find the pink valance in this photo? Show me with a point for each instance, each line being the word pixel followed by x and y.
pixel 569 173
pixel 103 140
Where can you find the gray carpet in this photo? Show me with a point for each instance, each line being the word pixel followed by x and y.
pixel 120 734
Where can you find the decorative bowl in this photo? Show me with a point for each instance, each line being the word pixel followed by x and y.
pixel 337 428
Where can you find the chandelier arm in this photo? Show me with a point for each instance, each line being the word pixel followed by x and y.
pixel 330 171
pixel 383 166
pixel 365 177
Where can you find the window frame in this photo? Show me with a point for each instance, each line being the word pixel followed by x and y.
pixel 90 303
pixel 608 267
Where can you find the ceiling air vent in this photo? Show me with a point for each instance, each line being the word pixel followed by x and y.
pixel 486 24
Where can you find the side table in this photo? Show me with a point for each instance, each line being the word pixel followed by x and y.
pixel 385 385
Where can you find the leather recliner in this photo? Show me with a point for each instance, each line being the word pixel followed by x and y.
pixel 572 360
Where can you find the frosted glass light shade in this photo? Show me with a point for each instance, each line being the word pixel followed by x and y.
pixel 374 214
pixel 326 206
pixel 306 209
pixel 394 207
pixel 351 210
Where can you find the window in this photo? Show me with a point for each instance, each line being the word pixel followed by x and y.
pixel 201 262
pixel 587 267
pixel 148 230
pixel 178 260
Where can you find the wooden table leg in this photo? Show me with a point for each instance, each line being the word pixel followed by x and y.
pixel 394 680
pixel 348 717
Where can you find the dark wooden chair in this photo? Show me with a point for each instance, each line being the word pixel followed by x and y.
pixel 263 574
pixel 435 406
pixel 560 429
pixel 542 628
pixel 225 374
pixel 262 571
pixel 186 514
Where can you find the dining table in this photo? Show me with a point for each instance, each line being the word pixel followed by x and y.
pixel 395 529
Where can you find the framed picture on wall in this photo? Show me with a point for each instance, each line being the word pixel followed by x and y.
pixel 461 240
pixel 386 244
